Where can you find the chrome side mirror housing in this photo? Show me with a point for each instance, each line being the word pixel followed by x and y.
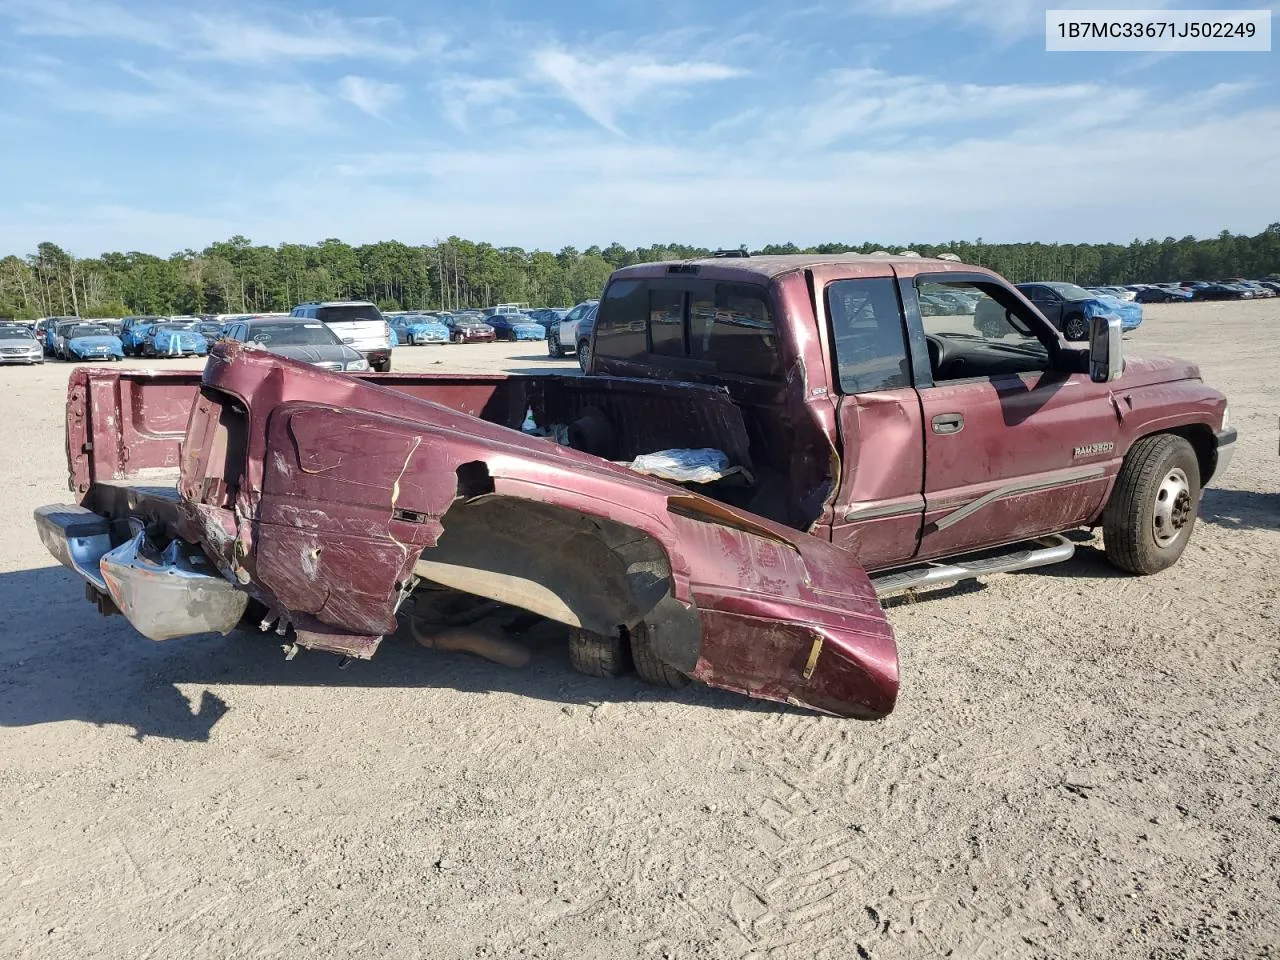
pixel 1106 355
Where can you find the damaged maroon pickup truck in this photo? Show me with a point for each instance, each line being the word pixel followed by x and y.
pixel 858 436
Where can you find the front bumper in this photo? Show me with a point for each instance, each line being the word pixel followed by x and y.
pixel 37 357
pixel 1226 441
pixel 173 593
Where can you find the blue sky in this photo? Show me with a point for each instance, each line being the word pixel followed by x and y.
pixel 161 126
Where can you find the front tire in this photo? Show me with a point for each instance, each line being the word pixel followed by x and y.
pixel 1152 510
pixel 1075 327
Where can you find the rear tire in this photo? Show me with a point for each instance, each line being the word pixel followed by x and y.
pixel 382 367
pixel 1152 510
pixel 597 655
pixel 649 667
pixel 584 354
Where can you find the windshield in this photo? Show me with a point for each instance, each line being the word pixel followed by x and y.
pixel 12 333
pixel 346 314
pixel 88 330
pixel 1070 291
pixel 286 334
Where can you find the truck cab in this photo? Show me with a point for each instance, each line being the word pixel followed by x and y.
pixel 883 417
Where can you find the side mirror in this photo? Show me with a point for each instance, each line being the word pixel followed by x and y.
pixel 1106 357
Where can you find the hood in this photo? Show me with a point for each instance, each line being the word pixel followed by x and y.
pixel 19 342
pixel 324 353
pixel 91 343
pixel 1142 371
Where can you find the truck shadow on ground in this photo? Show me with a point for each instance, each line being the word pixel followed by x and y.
pixel 1241 509
pixel 59 660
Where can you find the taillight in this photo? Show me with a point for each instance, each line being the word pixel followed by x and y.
pixel 386 329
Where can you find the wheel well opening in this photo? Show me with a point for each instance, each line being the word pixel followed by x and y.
pixel 1205 445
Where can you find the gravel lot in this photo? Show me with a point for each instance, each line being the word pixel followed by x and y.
pixel 1081 763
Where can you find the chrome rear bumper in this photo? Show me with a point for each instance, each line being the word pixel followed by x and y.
pixel 174 593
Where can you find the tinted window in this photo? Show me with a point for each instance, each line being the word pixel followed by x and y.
pixel 283 333
pixel 734 329
pixel 866 324
pixel 620 322
pixel 346 314
pixel 666 322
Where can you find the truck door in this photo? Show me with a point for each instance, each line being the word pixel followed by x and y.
pixel 1015 446
pixel 879 503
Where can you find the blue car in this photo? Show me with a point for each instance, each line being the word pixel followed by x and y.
pixel 135 332
pixel 1070 308
pixel 516 326
pixel 91 341
pixel 174 340
pixel 419 329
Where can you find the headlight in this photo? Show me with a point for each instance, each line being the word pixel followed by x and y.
pixel 355 366
pixel 1226 417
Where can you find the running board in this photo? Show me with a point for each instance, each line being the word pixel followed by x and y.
pixel 1023 556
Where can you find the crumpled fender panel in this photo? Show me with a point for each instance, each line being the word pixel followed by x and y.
pixel 353 494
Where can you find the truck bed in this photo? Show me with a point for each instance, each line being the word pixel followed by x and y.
pixel 329 499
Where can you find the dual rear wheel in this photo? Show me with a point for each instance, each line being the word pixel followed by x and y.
pixel 612 656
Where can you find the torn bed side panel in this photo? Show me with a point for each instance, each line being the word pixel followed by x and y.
pixel 794 620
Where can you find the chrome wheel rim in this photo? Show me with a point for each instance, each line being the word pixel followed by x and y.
pixel 1172 508
pixel 1075 329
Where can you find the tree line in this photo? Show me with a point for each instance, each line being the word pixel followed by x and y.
pixel 235 276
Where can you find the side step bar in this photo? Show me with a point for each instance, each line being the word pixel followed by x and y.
pixel 1033 553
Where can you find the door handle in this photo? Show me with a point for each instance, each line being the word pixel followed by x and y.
pixel 945 423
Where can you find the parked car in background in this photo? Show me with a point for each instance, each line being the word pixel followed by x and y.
pixel 358 323
pixel 465 328
pixel 89 341
pixel 504 309
pixel 562 337
pixel 211 330
pixel 310 341
pixel 1120 293
pixel 1067 306
pixel 18 344
pixel 170 338
pixel 548 315
pixel 1163 293
pixel 49 328
pixel 133 330
pixel 516 326
pixel 586 327
pixel 419 329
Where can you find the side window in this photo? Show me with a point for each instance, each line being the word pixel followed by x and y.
pixel 734 329
pixel 978 329
pixel 621 320
pixel 866 326
pixel 666 322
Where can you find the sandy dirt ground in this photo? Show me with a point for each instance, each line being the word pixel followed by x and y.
pixel 1082 764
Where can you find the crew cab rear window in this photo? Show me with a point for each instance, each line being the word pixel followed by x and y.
pixel 720 328
pixel 866 326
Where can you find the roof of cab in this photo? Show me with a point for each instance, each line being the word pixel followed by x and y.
pixel 770 266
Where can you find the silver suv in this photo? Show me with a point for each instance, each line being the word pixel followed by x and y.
pixel 357 323
pixel 563 338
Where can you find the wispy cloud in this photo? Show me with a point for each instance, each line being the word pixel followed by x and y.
pixel 250 106
pixel 605 87
pixel 372 96
pixel 1005 19
pixel 226 36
